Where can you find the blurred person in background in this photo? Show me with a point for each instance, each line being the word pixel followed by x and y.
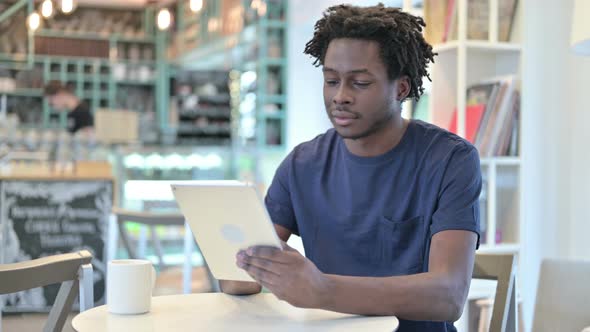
pixel 61 98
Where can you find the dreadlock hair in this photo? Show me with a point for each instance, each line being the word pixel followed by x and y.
pixel 403 49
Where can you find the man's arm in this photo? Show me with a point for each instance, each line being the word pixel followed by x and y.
pixel 246 288
pixel 437 295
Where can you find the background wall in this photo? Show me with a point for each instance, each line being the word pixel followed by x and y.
pixel 307 117
pixel 579 71
pixel 555 149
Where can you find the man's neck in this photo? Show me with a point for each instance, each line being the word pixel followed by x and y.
pixel 381 141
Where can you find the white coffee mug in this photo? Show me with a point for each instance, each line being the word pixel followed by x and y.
pixel 129 286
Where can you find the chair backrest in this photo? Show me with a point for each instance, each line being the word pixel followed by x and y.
pixel 500 268
pixel 562 296
pixel 150 219
pixel 67 269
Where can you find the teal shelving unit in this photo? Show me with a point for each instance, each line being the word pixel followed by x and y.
pixel 255 42
pixel 92 80
pixel 257 46
pixel 113 81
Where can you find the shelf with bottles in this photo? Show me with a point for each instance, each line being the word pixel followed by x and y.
pixel 117 38
pixel 229 26
pixel 201 107
pixel 210 112
pixel 263 93
pixel 135 97
pixel 100 22
pixel 260 117
pixel 111 47
pixel 113 33
pixel 248 36
pixel 21 92
pixel 14 45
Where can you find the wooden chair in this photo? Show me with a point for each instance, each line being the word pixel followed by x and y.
pixel 562 296
pixel 72 270
pixel 502 269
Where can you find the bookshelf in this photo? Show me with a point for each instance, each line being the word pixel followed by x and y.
pixel 461 64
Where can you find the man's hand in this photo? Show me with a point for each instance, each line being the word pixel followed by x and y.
pixel 286 273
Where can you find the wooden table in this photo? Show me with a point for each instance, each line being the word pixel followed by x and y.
pixel 221 312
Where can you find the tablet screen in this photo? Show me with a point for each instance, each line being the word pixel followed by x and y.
pixel 225 217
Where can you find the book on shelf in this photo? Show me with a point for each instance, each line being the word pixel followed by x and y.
pixel 441 18
pixel 473 115
pixel 450 21
pixel 507 130
pixel 513 148
pixel 478 96
pixel 434 15
pixel 499 120
pixel 492 117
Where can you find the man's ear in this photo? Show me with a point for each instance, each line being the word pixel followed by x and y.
pixel 403 88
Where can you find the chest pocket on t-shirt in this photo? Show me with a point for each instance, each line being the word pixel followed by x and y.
pixel 402 245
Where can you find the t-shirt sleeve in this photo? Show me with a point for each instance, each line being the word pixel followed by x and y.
pixel 458 202
pixel 278 198
pixel 84 119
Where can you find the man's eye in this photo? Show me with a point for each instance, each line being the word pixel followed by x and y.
pixel 362 84
pixel 331 82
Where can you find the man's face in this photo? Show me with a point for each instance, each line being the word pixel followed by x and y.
pixel 57 101
pixel 359 97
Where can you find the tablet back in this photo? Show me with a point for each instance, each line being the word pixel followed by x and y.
pixel 224 217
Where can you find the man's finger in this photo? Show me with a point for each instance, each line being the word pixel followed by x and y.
pixel 270 253
pixel 265 264
pixel 263 277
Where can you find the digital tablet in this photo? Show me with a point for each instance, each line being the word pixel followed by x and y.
pixel 224 217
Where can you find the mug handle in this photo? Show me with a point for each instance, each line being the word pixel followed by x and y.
pixel 153 277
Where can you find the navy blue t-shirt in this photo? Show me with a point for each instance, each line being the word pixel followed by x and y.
pixel 375 216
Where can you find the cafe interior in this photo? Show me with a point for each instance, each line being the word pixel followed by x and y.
pixel 192 90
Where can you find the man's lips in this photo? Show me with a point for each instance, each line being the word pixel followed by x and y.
pixel 343 118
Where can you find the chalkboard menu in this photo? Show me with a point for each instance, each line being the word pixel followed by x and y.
pixel 42 218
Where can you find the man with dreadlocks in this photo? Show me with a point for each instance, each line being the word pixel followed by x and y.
pixel 387 208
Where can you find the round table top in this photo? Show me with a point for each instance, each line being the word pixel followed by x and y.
pixel 221 312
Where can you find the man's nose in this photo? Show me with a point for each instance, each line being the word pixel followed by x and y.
pixel 342 96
